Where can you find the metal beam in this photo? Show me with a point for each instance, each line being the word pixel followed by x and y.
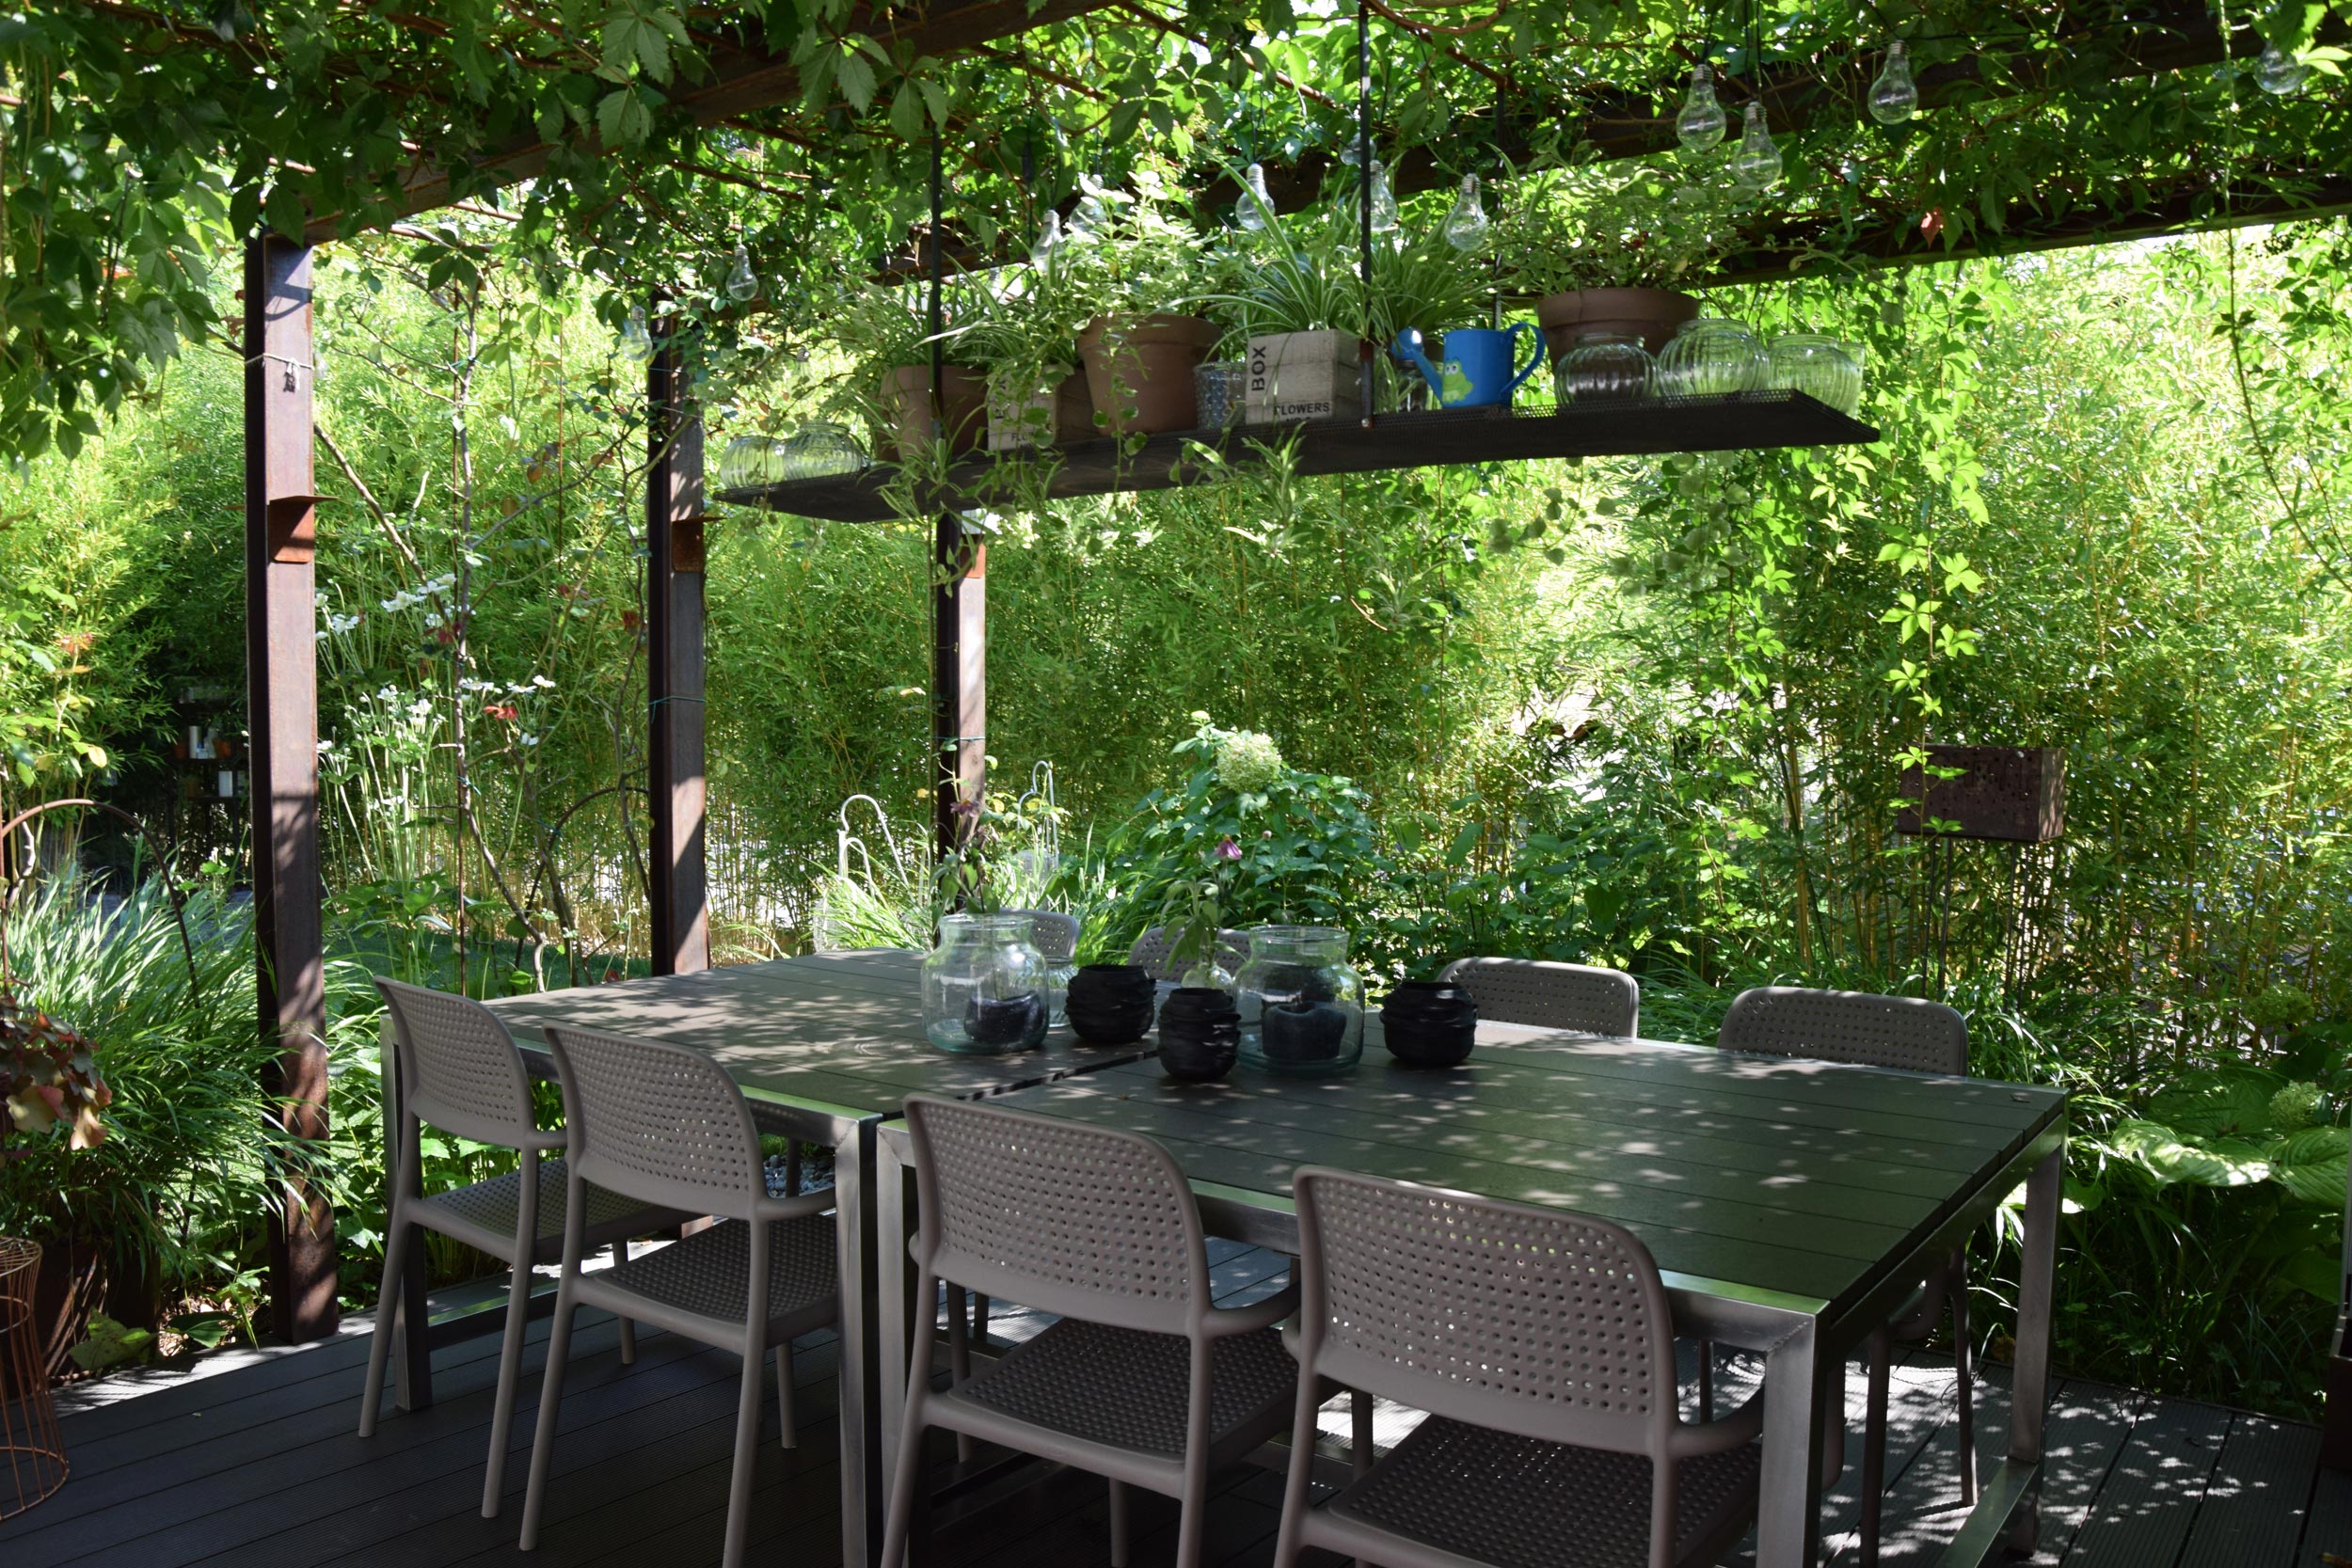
pixel 675 788
pixel 281 625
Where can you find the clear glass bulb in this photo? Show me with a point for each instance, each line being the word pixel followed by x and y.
pixel 1700 125
pixel 1756 165
pixel 1048 239
pixel 743 283
pixel 2278 72
pixel 636 343
pixel 1465 226
pixel 1255 205
pixel 1894 97
pixel 1385 219
pixel 1086 217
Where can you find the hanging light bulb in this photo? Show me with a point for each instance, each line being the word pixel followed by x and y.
pixel 1385 219
pixel 1756 162
pixel 636 343
pixel 1048 239
pixel 2279 74
pixel 1894 97
pixel 1756 165
pixel 1700 125
pixel 743 283
pixel 1251 210
pixel 1465 226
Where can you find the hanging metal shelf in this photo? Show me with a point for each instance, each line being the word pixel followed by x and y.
pixel 1734 423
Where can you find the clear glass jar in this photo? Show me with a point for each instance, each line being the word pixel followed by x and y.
pixel 1605 367
pixel 1821 367
pixel 820 449
pixel 750 461
pixel 1711 356
pixel 1302 1008
pixel 1219 393
pixel 985 988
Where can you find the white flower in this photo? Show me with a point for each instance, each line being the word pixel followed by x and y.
pixel 1248 763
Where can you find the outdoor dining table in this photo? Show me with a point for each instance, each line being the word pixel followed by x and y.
pixel 825 1047
pixel 1791 1205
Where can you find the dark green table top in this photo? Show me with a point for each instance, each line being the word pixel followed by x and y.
pixel 839 1034
pixel 1800 1179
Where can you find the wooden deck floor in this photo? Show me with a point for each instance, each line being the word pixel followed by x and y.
pixel 258 1468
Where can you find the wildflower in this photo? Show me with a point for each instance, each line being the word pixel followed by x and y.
pixel 507 711
pixel 1248 763
pixel 1227 850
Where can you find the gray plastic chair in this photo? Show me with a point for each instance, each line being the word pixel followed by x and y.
pixel 1552 995
pixel 1912 1035
pixel 1054 934
pixel 666 1124
pixel 1150 951
pixel 1543 1349
pixel 458 1068
pixel 1144 1378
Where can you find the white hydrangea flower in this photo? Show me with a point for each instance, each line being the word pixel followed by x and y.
pixel 1248 763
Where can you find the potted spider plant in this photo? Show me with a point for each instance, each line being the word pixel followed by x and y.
pixel 1137 277
pixel 885 329
pixel 1024 334
pixel 1606 249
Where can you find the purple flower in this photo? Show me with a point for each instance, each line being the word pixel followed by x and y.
pixel 1227 850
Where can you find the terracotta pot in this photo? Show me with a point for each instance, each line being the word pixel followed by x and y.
pixel 1652 313
pixel 1139 370
pixel 1064 415
pixel 906 398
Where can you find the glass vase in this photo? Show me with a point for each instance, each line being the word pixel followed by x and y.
pixel 1818 366
pixel 1605 367
pixel 1709 357
pixel 985 986
pixel 1302 1008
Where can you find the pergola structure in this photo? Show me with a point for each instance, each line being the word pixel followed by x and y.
pixel 746 78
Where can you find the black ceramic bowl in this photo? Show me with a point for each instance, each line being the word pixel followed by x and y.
pixel 1303 1031
pixel 1006 1023
pixel 1429 1023
pixel 1110 1003
pixel 1200 1034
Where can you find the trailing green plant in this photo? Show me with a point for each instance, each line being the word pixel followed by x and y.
pixel 1133 252
pixel 1617 226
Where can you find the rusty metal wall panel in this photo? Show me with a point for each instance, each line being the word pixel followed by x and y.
pixel 2014 794
pixel 282 623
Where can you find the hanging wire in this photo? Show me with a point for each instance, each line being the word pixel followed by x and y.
pixel 939 279
pixel 1363 202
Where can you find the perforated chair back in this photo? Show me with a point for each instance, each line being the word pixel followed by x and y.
pixel 458 1066
pixel 1076 1221
pixel 658 1122
pixel 1549 1324
pixel 1852 1027
pixel 1150 951
pixel 1054 935
pixel 1552 995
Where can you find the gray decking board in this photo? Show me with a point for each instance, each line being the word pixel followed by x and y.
pixel 2256 1500
pixel 2145 1511
pixel 627 1487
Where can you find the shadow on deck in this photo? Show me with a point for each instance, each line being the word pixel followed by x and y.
pixel 255 1465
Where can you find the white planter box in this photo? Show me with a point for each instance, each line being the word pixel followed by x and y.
pixel 1304 375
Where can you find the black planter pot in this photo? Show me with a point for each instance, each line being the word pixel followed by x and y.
pixel 1200 1034
pixel 1110 1003
pixel 1304 1031
pixel 1007 1022
pixel 1429 1023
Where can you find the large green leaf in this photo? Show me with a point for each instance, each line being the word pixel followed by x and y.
pixel 2222 1102
pixel 2311 1164
pixel 2173 1156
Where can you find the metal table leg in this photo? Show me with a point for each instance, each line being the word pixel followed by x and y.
pixel 2029 1395
pixel 860 1501
pixel 891 1285
pixel 1788 1514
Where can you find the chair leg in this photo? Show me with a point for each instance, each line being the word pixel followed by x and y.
pixel 959 1358
pixel 510 1369
pixel 784 1395
pixel 1361 1449
pixel 1964 1364
pixel 746 1454
pixel 1882 1350
pixel 551 1403
pixel 979 1319
pixel 1707 1380
pixel 628 1329
pixel 1119 1524
pixel 909 1474
pixel 387 1320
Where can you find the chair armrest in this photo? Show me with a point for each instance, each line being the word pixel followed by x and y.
pixel 770 1209
pixel 1224 1320
pixel 1692 1438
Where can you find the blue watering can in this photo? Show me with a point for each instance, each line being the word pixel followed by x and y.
pixel 1476 371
